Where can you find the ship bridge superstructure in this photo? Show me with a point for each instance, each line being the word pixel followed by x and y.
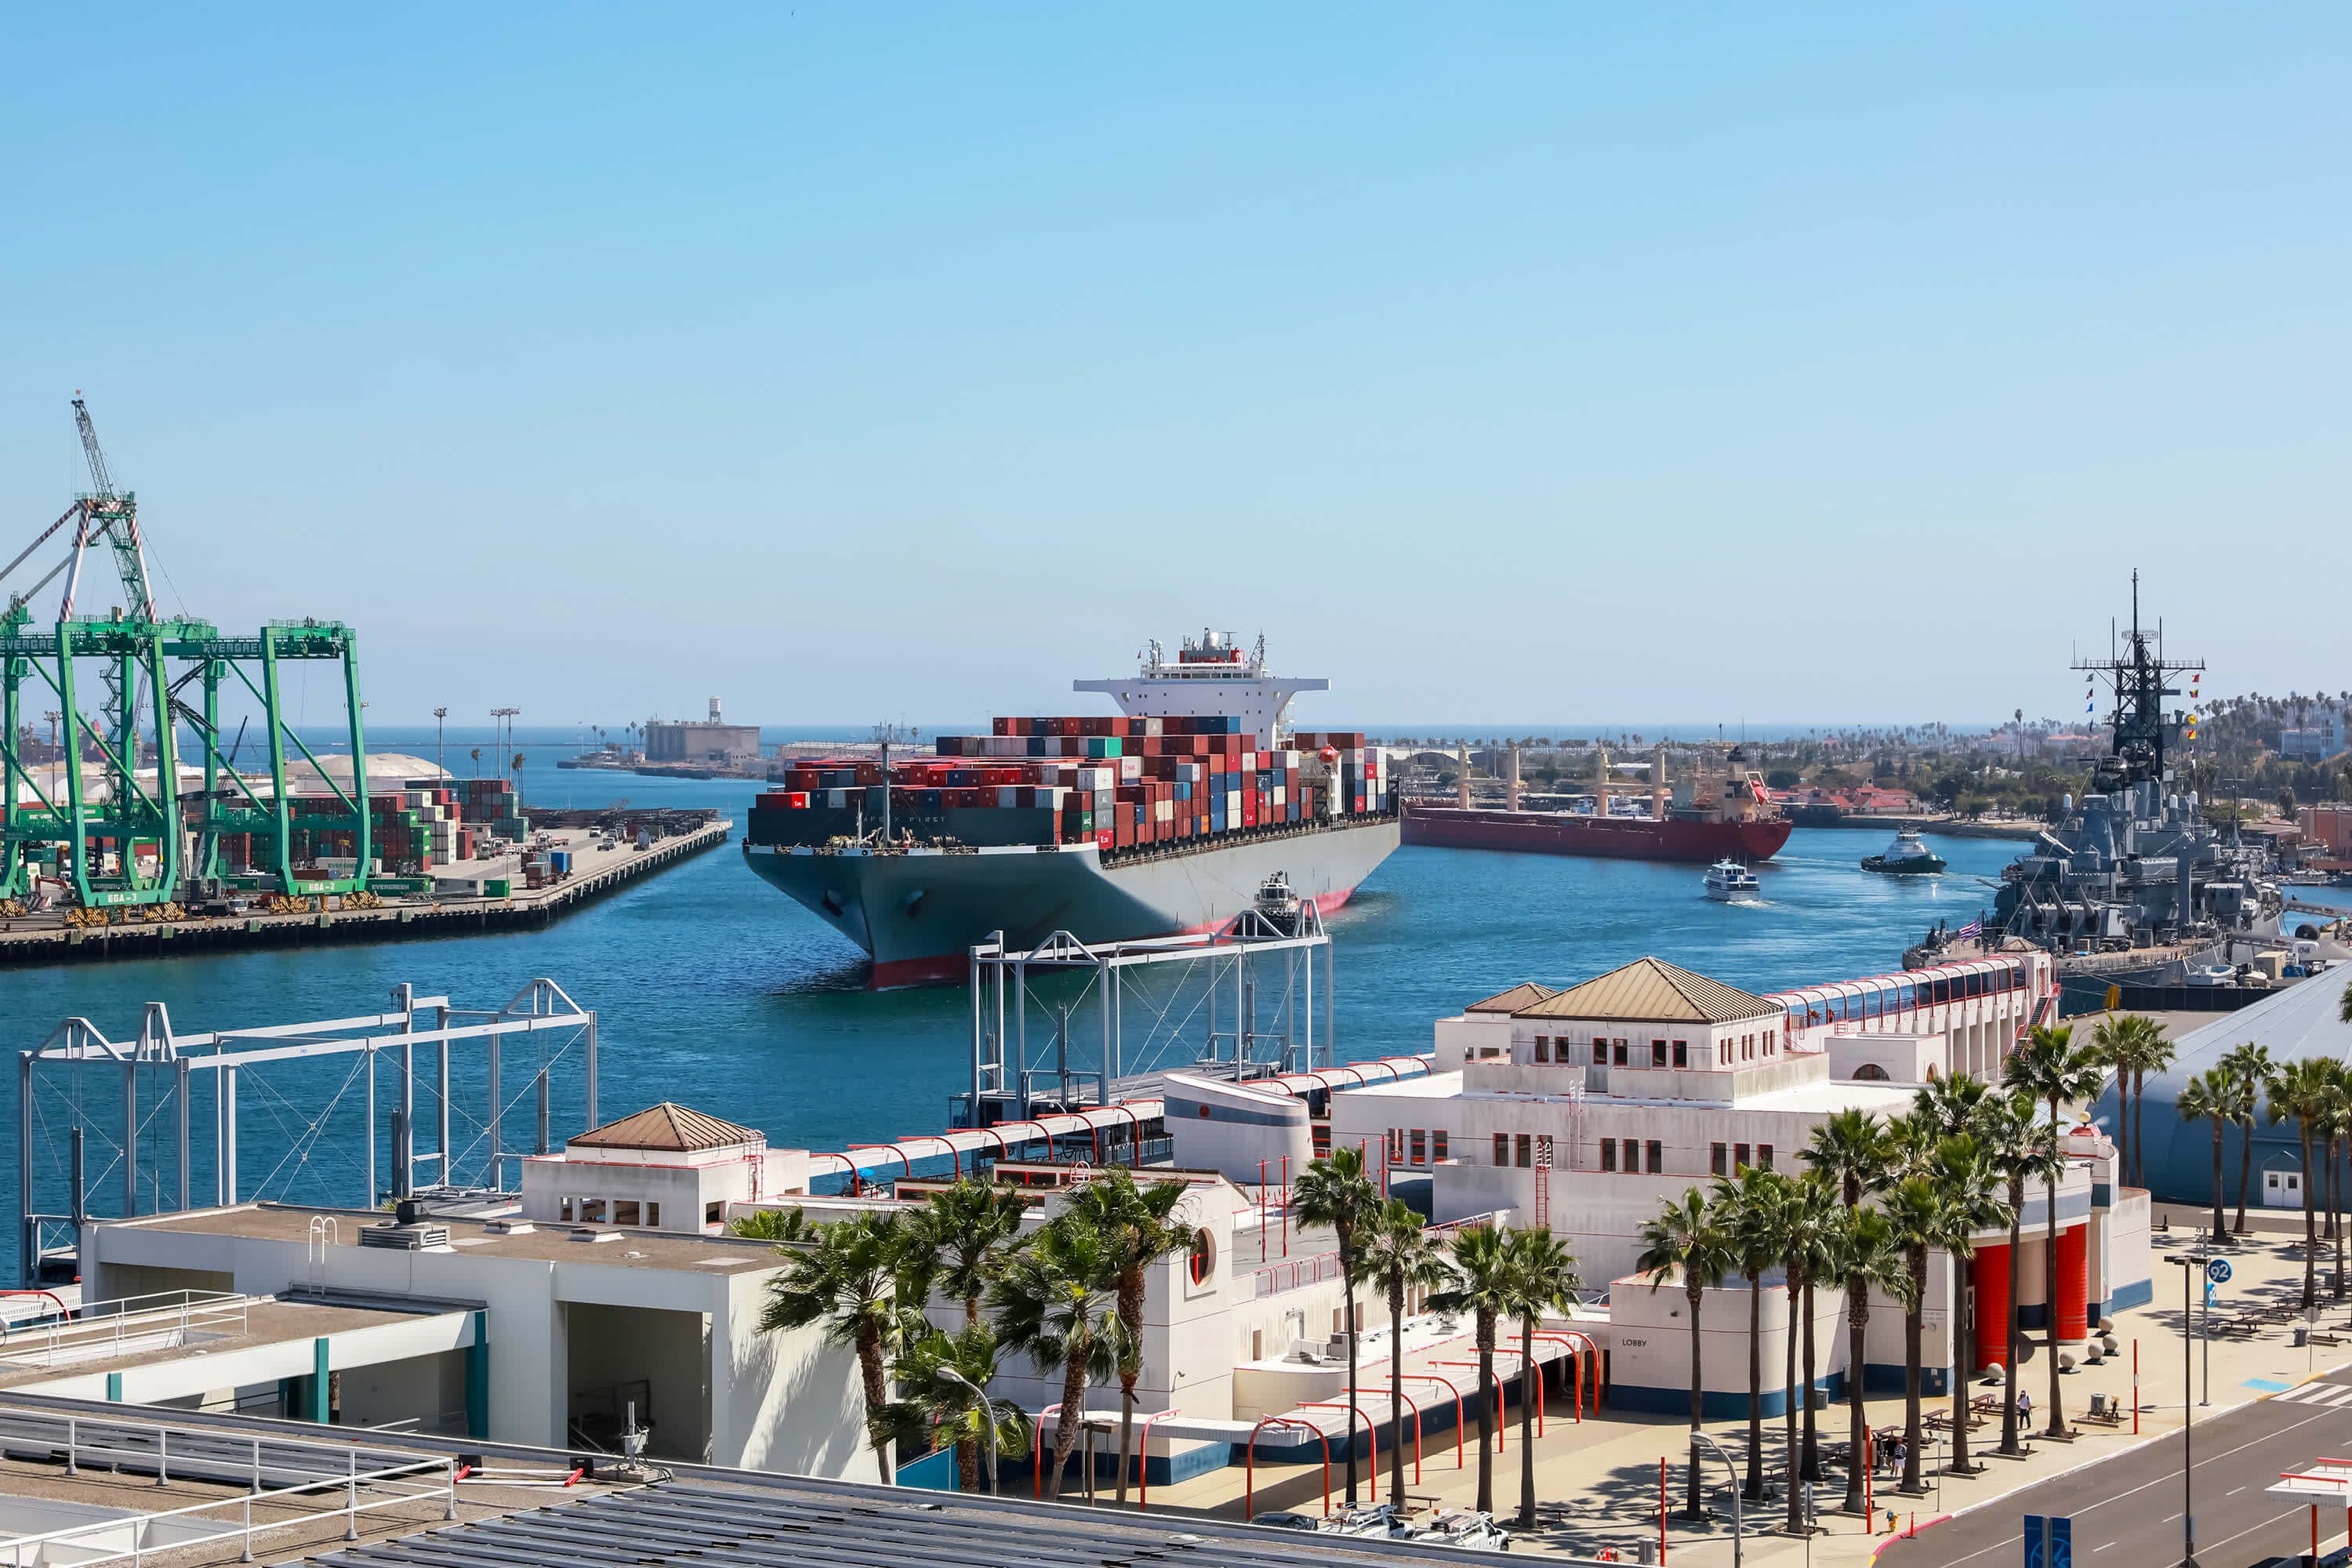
pixel 1211 676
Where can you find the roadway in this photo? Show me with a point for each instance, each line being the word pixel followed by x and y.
pixel 2126 1509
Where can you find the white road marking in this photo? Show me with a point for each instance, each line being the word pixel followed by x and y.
pixel 2234 1491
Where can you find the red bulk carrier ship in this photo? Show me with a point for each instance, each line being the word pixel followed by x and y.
pixel 1739 823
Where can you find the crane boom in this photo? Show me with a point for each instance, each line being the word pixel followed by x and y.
pixel 117 517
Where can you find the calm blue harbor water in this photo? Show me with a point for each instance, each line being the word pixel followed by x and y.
pixel 714 991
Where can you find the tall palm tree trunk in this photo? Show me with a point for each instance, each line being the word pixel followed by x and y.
pixel 1691 1509
pixel 2057 1428
pixel 1964 1367
pixel 1812 1468
pixel 2139 1127
pixel 2245 1171
pixel 1529 1377
pixel 1130 1368
pixel 878 1395
pixel 1754 1486
pixel 1065 1425
pixel 1857 1428
pixel 2335 1213
pixel 2217 1179
pixel 1789 1463
pixel 1485 1415
pixel 1396 1390
pixel 1912 1323
pixel 2310 1225
pixel 1348 1296
pixel 2008 1443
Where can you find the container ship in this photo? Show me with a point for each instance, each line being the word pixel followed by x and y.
pixel 1168 817
pixel 1738 823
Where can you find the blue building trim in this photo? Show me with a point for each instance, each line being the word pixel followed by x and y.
pixel 1720 1404
pixel 2138 1294
pixel 114 1388
pixel 935 1472
pixel 317 1386
pixel 477 1379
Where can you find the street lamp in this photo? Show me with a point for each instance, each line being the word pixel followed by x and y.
pixel 2192 1265
pixel 1699 1438
pixel 988 1422
pixel 439 715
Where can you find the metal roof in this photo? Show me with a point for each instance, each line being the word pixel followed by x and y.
pixel 1649 989
pixel 785 1520
pixel 1526 994
pixel 670 1128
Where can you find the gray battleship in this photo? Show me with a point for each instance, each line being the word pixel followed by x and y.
pixel 2131 886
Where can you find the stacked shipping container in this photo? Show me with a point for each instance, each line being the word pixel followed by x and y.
pixel 1120 782
pixel 424 824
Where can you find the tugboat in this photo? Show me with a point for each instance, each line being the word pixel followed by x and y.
pixel 1730 882
pixel 1907 857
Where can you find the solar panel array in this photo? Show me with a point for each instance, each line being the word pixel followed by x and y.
pixel 695 1525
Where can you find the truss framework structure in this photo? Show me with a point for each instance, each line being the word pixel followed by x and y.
pixel 414 1023
pixel 1241 956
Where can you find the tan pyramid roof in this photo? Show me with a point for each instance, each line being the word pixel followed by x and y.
pixel 669 1127
pixel 1511 1001
pixel 1649 989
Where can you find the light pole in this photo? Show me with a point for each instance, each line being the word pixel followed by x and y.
pixel 438 715
pixel 2192 1265
pixel 988 1422
pixel 1699 1438
pixel 506 714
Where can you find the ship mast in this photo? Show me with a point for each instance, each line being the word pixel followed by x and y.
pixel 2137 672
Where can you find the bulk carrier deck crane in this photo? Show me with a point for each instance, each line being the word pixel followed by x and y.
pixel 91 839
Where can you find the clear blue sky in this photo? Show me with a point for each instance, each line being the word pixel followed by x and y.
pixel 1539 364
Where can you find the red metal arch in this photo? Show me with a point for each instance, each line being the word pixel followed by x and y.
pixel 1371 1431
pixel 1249 1463
pixel 1432 1377
pixel 954 1153
pixel 893 1148
pixel 1415 1405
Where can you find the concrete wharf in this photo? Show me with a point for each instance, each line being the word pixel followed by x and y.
pixel 45 938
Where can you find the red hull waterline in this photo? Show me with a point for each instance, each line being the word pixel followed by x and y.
pixel 1615 837
pixel 955 968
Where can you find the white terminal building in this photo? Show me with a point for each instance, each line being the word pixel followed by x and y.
pixel 611 1285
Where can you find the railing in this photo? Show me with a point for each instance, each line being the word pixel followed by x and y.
pixel 1276 1278
pixel 109 1328
pixel 312 1470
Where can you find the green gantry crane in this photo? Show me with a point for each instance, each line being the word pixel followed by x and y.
pixel 91 840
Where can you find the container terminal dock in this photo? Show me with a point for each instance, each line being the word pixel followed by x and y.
pixel 586 854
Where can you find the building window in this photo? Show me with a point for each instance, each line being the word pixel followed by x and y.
pixel 1527 1151
pixel 1396 1145
pixel 1203 1258
pixel 1771 1037
pixel 1420 1147
pixel 1657 1158
pixel 1739 1157
pixel 1543 1048
pixel 1502 1148
pixel 711 1213
pixel 1657 1053
pixel 1619 1057
pixel 624 1211
pixel 653 1215
pixel 1682 1053
pixel 1723 1053
pixel 1257 1344
pixel 591 1211
pixel 1764 1155
pixel 1609 1154
pixel 1437 1145
pixel 1718 1166
pixel 1632 1158
pixel 563 1209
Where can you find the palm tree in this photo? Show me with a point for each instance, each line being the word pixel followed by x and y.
pixel 2335 1120
pixel 1864 1253
pixel 1396 1253
pixel 928 1371
pixel 1754 1212
pixel 2299 1092
pixel 1812 1207
pixel 1850 1148
pixel 2112 1039
pixel 1058 1300
pixel 1138 1227
pixel 2057 1072
pixel 848 1277
pixel 2252 1063
pixel 771 1225
pixel 2209 1097
pixel 963 1234
pixel 2007 1130
pixel 1335 1192
pixel 1952 1104
pixel 1480 1262
pixel 1543 1279
pixel 1967 1180
pixel 1686 1241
